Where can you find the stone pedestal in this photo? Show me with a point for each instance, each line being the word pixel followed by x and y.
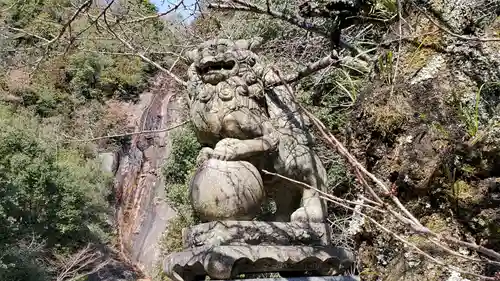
pixel 310 278
pixel 227 249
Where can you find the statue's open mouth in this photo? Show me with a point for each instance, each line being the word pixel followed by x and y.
pixel 211 67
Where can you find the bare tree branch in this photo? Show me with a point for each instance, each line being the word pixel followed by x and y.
pixel 144 58
pixel 327 61
pixel 145 132
pixel 408 219
pixel 332 198
pixel 294 20
pixel 29 33
pixel 157 15
pixel 84 262
pixel 306 71
pixel 463 37
pixel 85 6
pixel 248 7
pixel 343 202
pixel 94 21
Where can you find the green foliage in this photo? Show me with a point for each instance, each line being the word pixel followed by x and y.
pixel 178 171
pixel 470 115
pixel 386 66
pixel 148 6
pixel 95 76
pixel 172 238
pixel 42 17
pixel 178 196
pixel 46 190
pixel 123 77
pixel 185 149
pixel 338 174
pixel 85 70
pixel 22 12
pixel 49 189
pixel 384 9
pixel 331 96
pixel 44 100
pixel 23 262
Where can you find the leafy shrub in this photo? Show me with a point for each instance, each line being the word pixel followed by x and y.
pixel 178 171
pixel 123 77
pixel 95 76
pixel 84 72
pixel 185 148
pixel 46 190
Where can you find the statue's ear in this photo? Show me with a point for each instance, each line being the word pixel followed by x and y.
pixel 192 56
pixel 255 43
pixel 242 44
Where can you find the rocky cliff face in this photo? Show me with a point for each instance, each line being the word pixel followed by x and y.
pixel 434 135
pixel 141 211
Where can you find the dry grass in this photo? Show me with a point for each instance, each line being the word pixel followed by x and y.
pixel 390 115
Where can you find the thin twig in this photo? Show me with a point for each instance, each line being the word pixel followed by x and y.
pixel 327 61
pixel 155 16
pixel 248 7
pixel 463 37
pixel 409 220
pixel 146 59
pixel 293 20
pixel 145 132
pixel 85 6
pixel 306 71
pixel 135 54
pixel 94 21
pixel 326 195
pixel 342 202
pixel 29 33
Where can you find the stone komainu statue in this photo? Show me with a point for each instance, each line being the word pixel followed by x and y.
pixel 246 127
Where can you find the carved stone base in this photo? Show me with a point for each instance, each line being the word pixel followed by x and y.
pixel 306 278
pixel 257 233
pixel 226 249
pixel 224 262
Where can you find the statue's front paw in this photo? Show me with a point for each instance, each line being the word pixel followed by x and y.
pixel 224 154
pixel 226 149
pixel 204 155
pixel 311 214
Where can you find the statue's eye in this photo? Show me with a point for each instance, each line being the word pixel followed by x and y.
pixel 204 97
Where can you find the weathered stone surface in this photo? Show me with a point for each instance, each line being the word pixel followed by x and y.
pixel 108 162
pixel 238 118
pixel 142 215
pixel 309 278
pixel 464 16
pixel 224 262
pixel 257 233
pixel 226 190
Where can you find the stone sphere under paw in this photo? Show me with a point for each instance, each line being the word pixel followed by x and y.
pixel 226 190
